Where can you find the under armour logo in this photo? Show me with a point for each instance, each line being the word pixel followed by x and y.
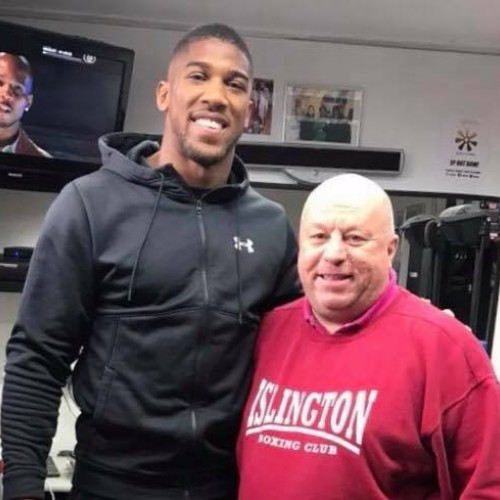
pixel 238 244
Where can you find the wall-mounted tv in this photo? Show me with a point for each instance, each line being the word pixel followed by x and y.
pixel 72 91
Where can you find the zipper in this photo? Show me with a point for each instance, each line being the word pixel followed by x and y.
pixel 203 322
pixel 194 431
pixel 194 425
pixel 203 235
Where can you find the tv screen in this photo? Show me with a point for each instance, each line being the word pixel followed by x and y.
pixel 58 94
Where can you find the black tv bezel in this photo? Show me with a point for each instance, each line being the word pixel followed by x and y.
pixel 50 174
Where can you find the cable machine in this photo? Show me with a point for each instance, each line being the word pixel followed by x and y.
pixel 453 260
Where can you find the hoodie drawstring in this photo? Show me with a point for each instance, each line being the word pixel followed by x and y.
pixel 136 262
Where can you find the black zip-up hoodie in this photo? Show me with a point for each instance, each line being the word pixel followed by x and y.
pixel 158 294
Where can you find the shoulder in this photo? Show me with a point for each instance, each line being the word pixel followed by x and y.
pixel 278 326
pixel 101 186
pixel 255 200
pixel 82 193
pixel 269 220
pixel 409 307
pixel 26 145
pixel 437 336
pixel 94 179
pixel 288 313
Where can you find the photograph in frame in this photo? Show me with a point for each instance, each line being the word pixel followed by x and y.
pixel 261 107
pixel 322 114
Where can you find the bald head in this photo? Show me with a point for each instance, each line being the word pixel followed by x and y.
pixel 347 243
pixel 355 192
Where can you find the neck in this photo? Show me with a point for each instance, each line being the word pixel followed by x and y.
pixel 194 174
pixel 329 326
pixel 333 324
pixel 332 321
pixel 8 135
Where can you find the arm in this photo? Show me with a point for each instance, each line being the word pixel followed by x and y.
pixel 53 316
pixel 472 436
pixel 287 287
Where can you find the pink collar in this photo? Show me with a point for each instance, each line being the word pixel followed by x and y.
pixel 381 303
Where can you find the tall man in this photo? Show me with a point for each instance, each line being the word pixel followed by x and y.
pixel 16 98
pixel 362 390
pixel 152 274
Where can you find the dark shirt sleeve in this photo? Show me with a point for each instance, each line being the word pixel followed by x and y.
pixel 287 287
pixel 48 334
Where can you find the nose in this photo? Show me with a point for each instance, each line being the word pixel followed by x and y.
pixel 215 94
pixel 335 249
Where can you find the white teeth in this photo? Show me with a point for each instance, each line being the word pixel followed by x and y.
pixel 332 277
pixel 205 122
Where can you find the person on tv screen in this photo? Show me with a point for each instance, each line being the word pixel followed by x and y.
pixel 16 98
pixel 361 389
pixel 152 274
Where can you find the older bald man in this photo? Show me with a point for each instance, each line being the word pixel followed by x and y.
pixel 361 389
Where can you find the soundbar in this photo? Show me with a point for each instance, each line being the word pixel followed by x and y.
pixel 289 156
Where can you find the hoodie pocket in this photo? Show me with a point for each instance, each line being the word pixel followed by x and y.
pixel 147 371
pixel 102 397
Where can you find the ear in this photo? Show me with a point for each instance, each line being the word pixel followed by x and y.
pixel 393 247
pixel 248 115
pixel 163 95
pixel 29 102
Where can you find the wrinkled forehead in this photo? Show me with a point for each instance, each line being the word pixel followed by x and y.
pixel 11 71
pixel 327 211
pixel 347 210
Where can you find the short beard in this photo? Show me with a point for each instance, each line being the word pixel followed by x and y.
pixel 203 159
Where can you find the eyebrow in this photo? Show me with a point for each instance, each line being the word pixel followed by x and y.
pixel 13 83
pixel 232 74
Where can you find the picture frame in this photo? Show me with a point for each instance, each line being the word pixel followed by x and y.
pixel 261 107
pixel 321 114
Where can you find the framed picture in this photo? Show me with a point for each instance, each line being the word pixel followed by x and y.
pixel 322 114
pixel 261 107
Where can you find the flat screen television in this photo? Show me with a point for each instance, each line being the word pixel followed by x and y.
pixel 80 91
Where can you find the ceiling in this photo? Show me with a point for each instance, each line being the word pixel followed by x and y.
pixel 463 25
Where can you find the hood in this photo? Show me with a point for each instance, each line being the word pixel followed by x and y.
pixel 122 152
pixel 122 155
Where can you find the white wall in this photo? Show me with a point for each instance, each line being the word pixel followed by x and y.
pixel 413 99
pixel 21 214
pixel 65 436
pixel 9 304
